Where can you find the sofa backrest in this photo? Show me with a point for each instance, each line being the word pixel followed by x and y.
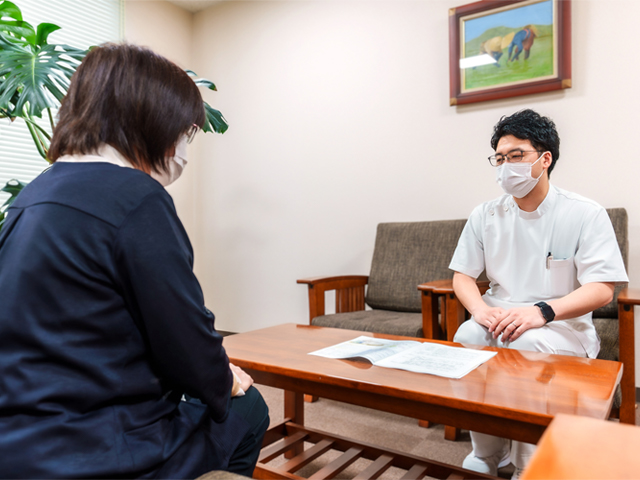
pixel 406 255
pixel 620 222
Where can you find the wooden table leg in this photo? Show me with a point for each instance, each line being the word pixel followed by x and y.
pixel 431 327
pixel 294 412
pixel 455 315
pixel 451 433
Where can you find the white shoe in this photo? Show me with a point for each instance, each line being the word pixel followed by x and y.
pixel 488 465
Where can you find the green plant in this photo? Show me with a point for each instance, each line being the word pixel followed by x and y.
pixel 35 76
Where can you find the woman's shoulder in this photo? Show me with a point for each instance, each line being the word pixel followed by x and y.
pixel 103 190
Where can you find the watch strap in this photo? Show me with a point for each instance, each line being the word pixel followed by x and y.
pixel 547 311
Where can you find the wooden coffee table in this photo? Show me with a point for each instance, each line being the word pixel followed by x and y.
pixel 514 395
pixel 581 448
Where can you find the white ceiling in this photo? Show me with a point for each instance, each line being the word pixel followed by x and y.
pixel 195 5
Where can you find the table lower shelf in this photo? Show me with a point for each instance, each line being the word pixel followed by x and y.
pixel 289 438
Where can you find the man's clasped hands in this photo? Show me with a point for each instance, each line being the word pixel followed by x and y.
pixel 510 323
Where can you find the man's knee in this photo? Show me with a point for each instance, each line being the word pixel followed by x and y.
pixel 473 333
pixel 533 340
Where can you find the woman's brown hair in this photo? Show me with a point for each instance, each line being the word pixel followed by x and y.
pixel 131 98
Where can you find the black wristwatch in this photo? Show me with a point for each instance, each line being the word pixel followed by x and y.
pixel 547 311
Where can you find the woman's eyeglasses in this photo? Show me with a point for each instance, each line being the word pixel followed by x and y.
pixel 191 133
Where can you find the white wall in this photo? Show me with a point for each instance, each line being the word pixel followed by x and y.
pixel 340 120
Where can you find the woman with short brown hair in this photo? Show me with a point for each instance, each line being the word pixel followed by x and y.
pixel 103 323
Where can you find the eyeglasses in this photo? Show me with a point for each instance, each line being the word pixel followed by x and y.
pixel 514 156
pixel 191 133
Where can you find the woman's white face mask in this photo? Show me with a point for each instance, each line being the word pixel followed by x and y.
pixel 516 179
pixel 175 164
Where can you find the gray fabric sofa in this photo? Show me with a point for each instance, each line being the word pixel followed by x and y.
pixel 605 319
pixel 405 255
pixel 410 255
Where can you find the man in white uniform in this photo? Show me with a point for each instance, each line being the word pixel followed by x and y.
pixel 551 257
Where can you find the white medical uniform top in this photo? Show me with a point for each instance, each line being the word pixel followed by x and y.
pixel 513 246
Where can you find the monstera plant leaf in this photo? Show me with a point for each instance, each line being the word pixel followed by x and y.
pixel 214 120
pixel 34 77
pixel 13 188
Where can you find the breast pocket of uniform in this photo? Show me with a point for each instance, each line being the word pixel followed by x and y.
pixel 561 277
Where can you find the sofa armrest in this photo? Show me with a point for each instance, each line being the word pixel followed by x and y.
pixel 627 299
pixel 444 287
pixel 629 296
pixel 349 293
pixel 452 311
pixel 333 283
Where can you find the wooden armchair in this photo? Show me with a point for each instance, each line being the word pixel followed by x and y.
pixel 349 293
pixel 405 255
pixel 617 337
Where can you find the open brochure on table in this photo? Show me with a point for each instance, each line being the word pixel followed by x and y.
pixel 431 358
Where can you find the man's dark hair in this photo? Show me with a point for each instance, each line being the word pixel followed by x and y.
pixel 131 98
pixel 529 125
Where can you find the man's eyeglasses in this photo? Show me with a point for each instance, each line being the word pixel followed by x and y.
pixel 191 133
pixel 512 157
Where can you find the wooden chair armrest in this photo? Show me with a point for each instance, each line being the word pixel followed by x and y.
pixel 437 286
pixel 627 299
pixel 452 312
pixel 332 283
pixel 445 287
pixel 349 293
pixel 629 296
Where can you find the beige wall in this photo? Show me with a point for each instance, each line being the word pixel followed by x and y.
pixel 167 29
pixel 340 120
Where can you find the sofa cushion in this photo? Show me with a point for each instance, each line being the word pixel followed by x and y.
pixel 221 475
pixel 619 220
pixel 406 255
pixel 378 321
pixel 607 329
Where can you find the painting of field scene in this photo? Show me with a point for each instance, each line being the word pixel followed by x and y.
pixel 508 46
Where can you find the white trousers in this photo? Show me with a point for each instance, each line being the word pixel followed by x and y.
pixel 552 338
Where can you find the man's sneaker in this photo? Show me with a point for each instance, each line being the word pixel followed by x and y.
pixel 488 465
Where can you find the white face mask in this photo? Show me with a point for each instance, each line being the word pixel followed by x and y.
pixel 175 164
pixel 516 179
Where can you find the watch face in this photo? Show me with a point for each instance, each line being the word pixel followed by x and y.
pixel 547 311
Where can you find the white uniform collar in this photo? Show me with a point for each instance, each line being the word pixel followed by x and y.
pixel 106 153
pixel 546 205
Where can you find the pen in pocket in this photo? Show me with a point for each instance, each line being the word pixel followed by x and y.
pixel 549 259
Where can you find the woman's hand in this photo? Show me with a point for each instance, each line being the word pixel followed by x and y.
pixel 244 379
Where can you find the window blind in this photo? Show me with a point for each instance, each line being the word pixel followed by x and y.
pixel 83 23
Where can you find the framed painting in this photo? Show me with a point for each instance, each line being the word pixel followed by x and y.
pixel 505 48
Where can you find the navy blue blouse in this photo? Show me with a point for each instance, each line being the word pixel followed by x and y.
pixel 102 328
